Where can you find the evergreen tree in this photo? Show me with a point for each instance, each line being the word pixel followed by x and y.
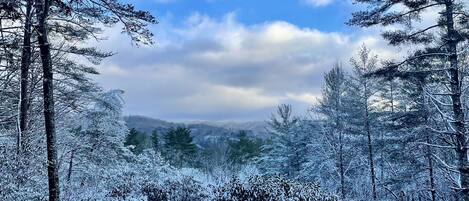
pixel 362 112
pixel 179 147
pixel 284 153
pixel 155 142
pixel 136 140
pixel 243 150
pixel 214 155
pixel 441 42
pixel 408 146
pixel 332 107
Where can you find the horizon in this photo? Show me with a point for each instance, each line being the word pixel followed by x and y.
pixel 197 121
pixel 234 100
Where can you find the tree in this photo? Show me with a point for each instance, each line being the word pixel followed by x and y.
pixel 155 142
pixel 179 147
pixel 134 23
pixel 65 93
pixel 417 119
pixel 332 107
pixel 364 89
pixel 274 151
pixel 25 66
pixel 244 149
pixel 284 152
pixel 442 42
pixel 97 130
pixel 42 13
pixel 136 140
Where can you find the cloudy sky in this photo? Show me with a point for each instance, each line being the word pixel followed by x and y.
pixel 232 59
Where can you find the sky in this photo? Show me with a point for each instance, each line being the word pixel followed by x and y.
pixel 233 60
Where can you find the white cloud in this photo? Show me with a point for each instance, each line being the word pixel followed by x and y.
pixel 229 98
pixel 223 69
pixel 317 3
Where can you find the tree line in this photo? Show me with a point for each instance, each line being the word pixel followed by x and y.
pixel 179 149
pixel 386 130
pixel 389 129
pixel 40 42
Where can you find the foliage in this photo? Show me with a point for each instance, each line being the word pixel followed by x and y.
pixel 179 148
pixel 243 150
pixel 136 140
pixel 270 188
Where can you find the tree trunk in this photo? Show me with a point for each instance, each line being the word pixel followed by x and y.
pixel 370 149
pixel 42 10
pixel 339 128
pixel 371 163
pixel 341 167
pixel 458 113
pixel 25 65
pixel 431 177
pixel 70 166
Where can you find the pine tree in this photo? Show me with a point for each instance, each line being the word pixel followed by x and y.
pixel 155 142
pixel 136 140
pixel 362 90
pixel 179 147
pixel 284 153
pixel 442 42
pixel 409 143
pixel 42 13
pixel 332 107
pixel 24 74
pixel 62 23
pixel 243 150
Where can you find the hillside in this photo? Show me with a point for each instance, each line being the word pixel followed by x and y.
pixel 202 131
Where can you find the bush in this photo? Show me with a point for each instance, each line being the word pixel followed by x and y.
pixel 186 189
pixel 260 188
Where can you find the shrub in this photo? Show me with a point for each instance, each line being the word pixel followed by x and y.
pixel 260 188
pixel 185 189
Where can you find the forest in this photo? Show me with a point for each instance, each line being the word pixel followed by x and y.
pixel 382 129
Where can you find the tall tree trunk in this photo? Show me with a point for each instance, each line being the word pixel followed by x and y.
pixel 339 128
pixel 42 10
pixel 370 148
pixel 371 163
pixel 25 65
pixel 458 113
pixel 341 166
pixel 431 177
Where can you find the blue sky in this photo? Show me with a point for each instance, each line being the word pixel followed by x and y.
pixel 235 60
pixel 327 16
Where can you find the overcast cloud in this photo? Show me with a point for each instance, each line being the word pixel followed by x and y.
pixel 221 69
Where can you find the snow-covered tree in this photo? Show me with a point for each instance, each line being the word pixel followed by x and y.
pixel 444 42
pixel 179 147
pixel 95 144
pixel 334 144
pixel 284 154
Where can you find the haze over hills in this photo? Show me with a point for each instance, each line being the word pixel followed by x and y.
pixel 202 131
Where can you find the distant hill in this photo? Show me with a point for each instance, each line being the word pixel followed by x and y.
pixel 202 131
pixel 257 128
pixel 147 125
